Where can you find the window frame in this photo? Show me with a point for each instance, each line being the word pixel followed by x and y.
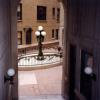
pixel 43 15
pixel 19 38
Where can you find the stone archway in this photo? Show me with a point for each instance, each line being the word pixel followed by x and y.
pixel 64 91
pixel 8 47
pixel 81 29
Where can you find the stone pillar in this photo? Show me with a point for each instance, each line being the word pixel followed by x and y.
pixel 13 37
pixel 65 61
pixel 7 44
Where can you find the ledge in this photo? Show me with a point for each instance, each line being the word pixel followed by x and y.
pixel 35 44
pixel 46 66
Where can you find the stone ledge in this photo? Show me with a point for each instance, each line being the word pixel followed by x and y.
pixel 27 68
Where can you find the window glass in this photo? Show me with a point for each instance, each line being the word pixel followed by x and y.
pixel 53 12
pixel 53 35
pixel 19 37
pixel 58 14
pixel 56 35
pixel 41 13
pixel 19 12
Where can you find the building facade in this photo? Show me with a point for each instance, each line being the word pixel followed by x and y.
pixel 34 13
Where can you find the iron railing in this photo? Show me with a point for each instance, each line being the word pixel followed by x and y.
pixel 31 60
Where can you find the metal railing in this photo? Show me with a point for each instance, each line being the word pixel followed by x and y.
pixel 31 60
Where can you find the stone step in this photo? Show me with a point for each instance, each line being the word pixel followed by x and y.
pixel 42 97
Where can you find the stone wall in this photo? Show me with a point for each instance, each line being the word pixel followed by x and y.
pixel 82 28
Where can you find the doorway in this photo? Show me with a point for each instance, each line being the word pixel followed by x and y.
pixel 72 65
pixel 28 37
pixel 39 78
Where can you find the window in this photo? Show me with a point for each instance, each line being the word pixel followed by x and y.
pixel 41 13
pixel 19 37
pixel 19 12
pixel 58 14
pixel 53 12
pixel 56 35
pixel 53 34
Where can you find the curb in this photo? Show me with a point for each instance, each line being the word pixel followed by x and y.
pixel 27 68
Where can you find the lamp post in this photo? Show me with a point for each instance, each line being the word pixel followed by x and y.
pixel 40 33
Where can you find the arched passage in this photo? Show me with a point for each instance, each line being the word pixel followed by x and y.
pixel 82 28
pixel 33 29
pixel 8 47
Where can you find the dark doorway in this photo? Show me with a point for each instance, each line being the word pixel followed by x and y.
pixel 86 82
pixel 72 72
pixel 28 36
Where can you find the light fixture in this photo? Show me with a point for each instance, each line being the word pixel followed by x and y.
pixel 40 28
pixel 11 72
pixel 89 71
pixel 43 33
pixel 9 75
pixel 37 33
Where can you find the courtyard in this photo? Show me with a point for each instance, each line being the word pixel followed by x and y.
pixel 40 84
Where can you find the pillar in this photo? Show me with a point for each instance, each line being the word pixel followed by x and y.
pixel 7 44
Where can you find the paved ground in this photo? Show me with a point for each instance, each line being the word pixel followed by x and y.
pixel 45 97
pixel 40 84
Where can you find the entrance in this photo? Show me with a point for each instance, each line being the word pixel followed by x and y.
pixel 39 78
pixel 72 65
pixel 28 36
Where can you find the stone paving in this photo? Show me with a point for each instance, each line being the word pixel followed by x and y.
pixel 45 97
pixel 43 84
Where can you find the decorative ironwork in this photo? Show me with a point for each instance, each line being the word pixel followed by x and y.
pixel 31 60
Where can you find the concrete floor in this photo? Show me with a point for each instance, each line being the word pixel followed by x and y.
pixel 43 84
